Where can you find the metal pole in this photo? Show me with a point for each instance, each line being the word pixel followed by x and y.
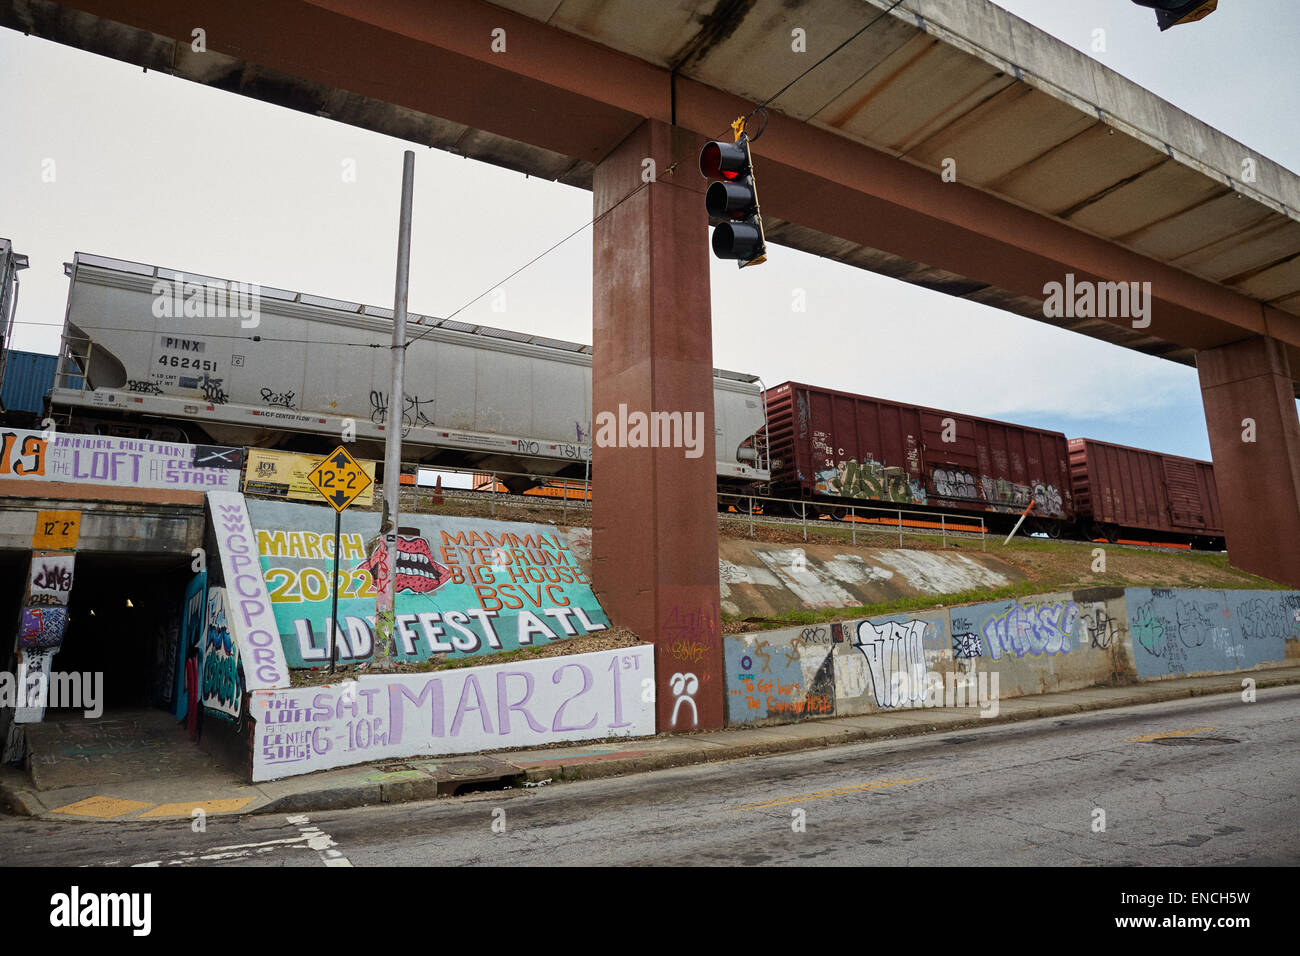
pixel 983 535
pixel 334 603
pixel 900 528
pixel 804 514
pixel 853 520
pixel 943 531
pixel 393 419
pixel 751 516
pixel 1018 524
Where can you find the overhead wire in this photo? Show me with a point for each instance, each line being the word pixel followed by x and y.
pixel 760 109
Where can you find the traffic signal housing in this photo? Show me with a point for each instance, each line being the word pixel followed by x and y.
pixel 1170 13
pixel 733 198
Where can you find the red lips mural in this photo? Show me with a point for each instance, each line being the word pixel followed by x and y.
pixel 416 570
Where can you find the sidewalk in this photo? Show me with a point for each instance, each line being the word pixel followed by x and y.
pixel 178 795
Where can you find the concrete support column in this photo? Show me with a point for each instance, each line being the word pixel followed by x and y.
pixel 1255 440
pixel 654 545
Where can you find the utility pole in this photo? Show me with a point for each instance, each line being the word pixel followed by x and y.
pixel 386 602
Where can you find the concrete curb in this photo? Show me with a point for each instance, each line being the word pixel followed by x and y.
pixel 714 753
pixel 18 802
pixel 699 749
pixel 336 798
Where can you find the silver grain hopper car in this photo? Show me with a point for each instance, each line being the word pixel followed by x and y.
pixel 231 363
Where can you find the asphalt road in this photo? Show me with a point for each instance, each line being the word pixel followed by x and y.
pixel 1209 781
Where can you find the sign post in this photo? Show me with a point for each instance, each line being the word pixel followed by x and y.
pixel 340 481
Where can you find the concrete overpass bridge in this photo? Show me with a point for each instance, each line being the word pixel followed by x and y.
pixel 1063 168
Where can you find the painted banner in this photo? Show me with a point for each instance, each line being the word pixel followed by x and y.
pixel 249 610
pixel 464 710
pixel 465 586
pixel 106 460
pixel 221 680
pixel 280 474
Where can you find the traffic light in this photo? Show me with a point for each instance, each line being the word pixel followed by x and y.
pixel 733 198
pixel 1170 13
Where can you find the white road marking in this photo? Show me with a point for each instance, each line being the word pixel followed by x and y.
pixel 309 838
pixel 319 841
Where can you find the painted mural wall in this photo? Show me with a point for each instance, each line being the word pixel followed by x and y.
pixel 221 679
pixel 973 655
pixel 465 710
pixel 465 586
pixel 1178 632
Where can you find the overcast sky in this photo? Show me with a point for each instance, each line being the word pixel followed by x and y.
pixel 159 170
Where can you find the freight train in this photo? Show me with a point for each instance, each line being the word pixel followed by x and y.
pixel 236 364
pixel 833 450
pixel 155 353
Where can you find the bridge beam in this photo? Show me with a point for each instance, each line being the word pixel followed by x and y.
pixel 654 521
pixel 1255 440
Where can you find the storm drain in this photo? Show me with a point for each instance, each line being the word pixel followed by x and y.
pixel 456 778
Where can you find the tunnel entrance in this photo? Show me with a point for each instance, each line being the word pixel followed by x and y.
pixel 124 615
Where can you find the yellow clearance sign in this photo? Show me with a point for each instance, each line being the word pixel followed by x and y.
pixel 279 474
pixel 339 479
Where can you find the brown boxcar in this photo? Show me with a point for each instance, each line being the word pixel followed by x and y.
pixel 1122 491
pixel 835 448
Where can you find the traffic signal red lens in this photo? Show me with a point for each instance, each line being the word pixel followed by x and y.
pixel 722 160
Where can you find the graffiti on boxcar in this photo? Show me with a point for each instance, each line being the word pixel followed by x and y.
pixel 955 483
pixel 1047 499
pixel 278 399
pixel 870 479
pixel 413 411
pixel 999 491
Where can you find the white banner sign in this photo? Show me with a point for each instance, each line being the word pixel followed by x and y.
pixel 248 605
pixel 464 710
pixel 105 460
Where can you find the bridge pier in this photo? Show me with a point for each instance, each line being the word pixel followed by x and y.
pixel 1250 411
pixel 654 519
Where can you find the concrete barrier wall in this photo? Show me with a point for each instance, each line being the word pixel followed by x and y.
pixel 1176 632
pixel 973 654
pixel 466 710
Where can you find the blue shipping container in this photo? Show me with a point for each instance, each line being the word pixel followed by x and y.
pixel 27 380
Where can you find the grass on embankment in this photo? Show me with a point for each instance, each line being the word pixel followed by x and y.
pixel 1048 565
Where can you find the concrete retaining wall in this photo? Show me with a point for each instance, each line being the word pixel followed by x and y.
pixel 974 654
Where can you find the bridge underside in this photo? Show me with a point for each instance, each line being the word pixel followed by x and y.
pixel 1062 167
pixel 1053 173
